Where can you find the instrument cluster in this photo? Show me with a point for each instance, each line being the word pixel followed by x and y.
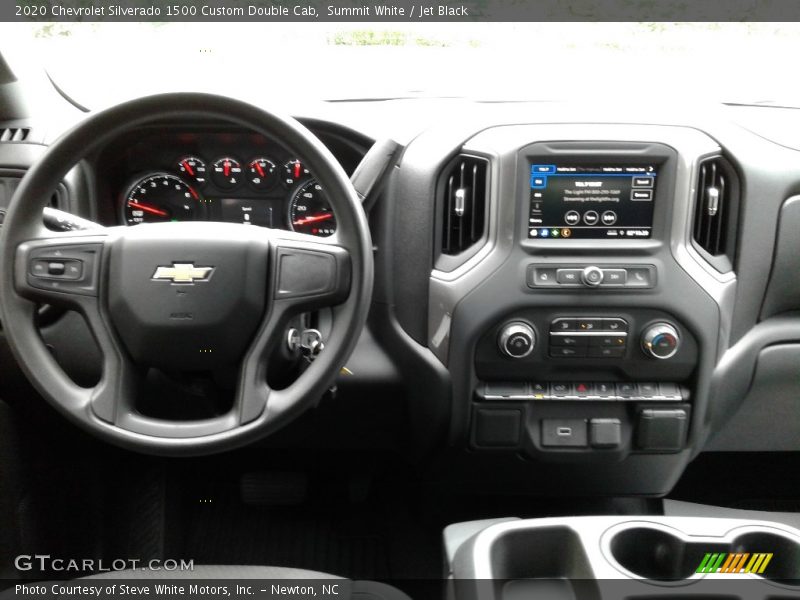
pixel 235 178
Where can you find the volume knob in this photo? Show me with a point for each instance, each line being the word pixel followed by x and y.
pixel 660 340
pixel 516 339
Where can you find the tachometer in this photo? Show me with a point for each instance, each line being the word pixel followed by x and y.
pixel 160 197
pixel 310 212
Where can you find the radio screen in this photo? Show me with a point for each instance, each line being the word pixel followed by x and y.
pixel 594 201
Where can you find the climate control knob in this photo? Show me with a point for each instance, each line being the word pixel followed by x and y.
pixel 660 340
pixel 516 339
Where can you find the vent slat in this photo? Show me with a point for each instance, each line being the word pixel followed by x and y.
pixel 464 204
pixel 14 134
pixel 713 206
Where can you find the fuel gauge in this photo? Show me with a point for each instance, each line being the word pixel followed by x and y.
pixel 294 171
pixel 262 174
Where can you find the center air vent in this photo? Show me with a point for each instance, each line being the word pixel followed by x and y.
pixel 14 134
pixel 464 204
pixel 715 212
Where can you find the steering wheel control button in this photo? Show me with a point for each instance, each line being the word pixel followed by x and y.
pixel 592 276
pixel 661 341
pixel 516 340
pixel 568 276
pixel 68 268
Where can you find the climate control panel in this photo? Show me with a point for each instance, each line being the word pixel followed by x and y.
pixel 614 345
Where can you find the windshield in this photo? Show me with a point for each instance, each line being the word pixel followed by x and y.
pixel 99 64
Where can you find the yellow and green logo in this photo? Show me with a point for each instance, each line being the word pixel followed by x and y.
pixel 740 562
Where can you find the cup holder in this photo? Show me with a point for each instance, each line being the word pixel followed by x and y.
pixel 660 555
pixel 656 554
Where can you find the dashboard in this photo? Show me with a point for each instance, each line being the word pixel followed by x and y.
pixel 561 295
pixel 190 173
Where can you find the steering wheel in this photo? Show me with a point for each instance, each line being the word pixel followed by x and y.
pixel 185 296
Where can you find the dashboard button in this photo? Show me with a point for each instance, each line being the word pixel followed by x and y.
pixel 626 390
pixel 605 390
pixel 567 352
pixel 539 390
pixel 564 432
pixel 612 277
pixel 564 325
pixel 589 324
pixel 560 390
pixel 603 352
pixel 640 277
pixel 615 325
pixel 569 276
pixel 648 390
pixel 541 276
pixel 608 341
pixel 569 340
pixel 583 390
pixel 590 217
pixel 670 390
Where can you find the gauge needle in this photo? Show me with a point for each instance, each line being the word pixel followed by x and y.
pixel 259 169
pixel 226 168
pixel 150 209
pixel 296 170
pixel 188 168
pixel 313 219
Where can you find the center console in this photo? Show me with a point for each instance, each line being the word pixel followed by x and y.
pixel 606 557
pixel 583 326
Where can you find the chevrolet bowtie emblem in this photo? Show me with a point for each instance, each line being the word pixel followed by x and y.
pixel 183 273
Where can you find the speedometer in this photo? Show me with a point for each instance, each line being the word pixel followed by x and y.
pixel 160 197
pixel 310 212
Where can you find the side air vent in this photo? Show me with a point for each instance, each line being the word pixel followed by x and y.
pixel 716 210
pixel 14 134
pixel 464 204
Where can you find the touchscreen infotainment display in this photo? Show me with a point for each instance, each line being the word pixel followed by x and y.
pixel 591 201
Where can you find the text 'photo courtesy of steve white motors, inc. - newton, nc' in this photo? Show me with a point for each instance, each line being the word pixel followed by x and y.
pixel 277 11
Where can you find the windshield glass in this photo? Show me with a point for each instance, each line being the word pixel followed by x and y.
pixel 102 63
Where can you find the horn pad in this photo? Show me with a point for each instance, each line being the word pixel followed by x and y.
pixel 187 296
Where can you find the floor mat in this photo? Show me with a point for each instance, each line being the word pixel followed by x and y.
pixel 223 530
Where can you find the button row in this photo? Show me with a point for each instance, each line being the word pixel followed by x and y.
pixel 582 391
pixel 588 325
pixel 634 276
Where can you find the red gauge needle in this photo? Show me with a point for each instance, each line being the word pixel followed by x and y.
pixel 296 170
pixel 188 168
pixel 313 219
pixel 259 169
pixel 226 168
pixel 149 209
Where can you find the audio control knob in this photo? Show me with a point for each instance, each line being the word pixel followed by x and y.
pixel 660 340
pixel 516 339
pixel 592 276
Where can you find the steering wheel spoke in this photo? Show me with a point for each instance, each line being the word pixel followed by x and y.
pixel 59 269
